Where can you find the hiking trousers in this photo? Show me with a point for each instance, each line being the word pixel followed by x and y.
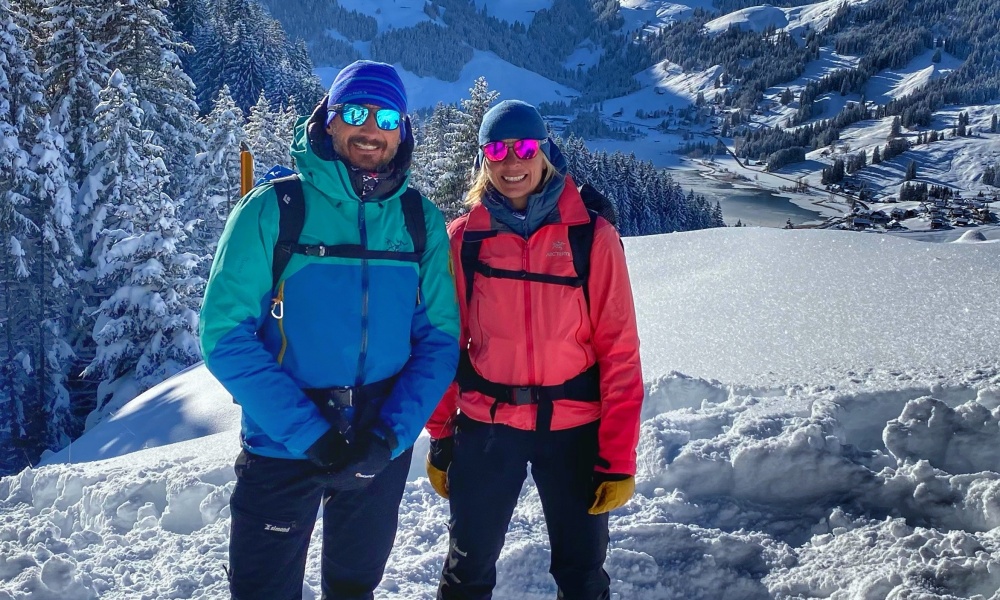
pixel 484 482
pixel 274 508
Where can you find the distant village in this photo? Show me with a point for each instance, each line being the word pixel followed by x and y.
pixel 941 211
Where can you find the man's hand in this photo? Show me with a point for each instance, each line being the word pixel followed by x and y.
pixel 330 452
pixel 367 457
pixel 438 460
pixel 613 491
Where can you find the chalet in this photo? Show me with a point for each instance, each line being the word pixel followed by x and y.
pixel 938 223
pixel 898 214
pixel 894 225
pixel 878 217
pixel 956 211
pixel 859 223
pixel 962 221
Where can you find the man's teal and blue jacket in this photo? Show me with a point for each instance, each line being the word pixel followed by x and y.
pixel 346 322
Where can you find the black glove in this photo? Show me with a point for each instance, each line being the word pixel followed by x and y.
pixel 440 453
pixel 330 452
pixel 368 456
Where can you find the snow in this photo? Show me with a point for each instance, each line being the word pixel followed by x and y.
pixel 754 18
pixel 510 81
pixel 653 15
pixel 795 20
pixel 892 84
pixel 822 419
pixel 398 15
pixel 586 55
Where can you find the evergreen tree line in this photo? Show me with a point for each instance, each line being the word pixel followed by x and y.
pixel 236 43
pixel 409 47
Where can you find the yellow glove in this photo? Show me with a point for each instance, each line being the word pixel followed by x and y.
pixel 439 479
pixel 438 461
pixel 613 491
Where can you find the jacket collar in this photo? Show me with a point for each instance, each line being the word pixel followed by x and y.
pixel 570 210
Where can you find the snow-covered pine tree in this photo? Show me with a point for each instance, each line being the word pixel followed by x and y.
pixel 268 137
pixel 20 95
pixel 249 64
pixel 186 16
pixel 220 172
pixel 75 70
pixel 295 82
pixel 208 62
pixel 431 153
pixel 53 254
pixel 141 43
pixel 146 329
pixel 462 143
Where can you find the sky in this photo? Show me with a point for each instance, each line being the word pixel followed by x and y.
pixel 821 419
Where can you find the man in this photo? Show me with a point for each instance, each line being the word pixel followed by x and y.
pixel 338 356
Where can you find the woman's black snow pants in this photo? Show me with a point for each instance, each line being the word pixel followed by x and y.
pixel 489 466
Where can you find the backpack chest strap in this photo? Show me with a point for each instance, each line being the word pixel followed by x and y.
pixel 488 271
pixel 355 251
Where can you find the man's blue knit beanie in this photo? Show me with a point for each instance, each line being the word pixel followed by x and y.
pixel 512 119
pixel 368 82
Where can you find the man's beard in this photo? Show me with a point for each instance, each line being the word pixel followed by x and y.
pixel 368 165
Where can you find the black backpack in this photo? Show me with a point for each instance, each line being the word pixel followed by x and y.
pixel 581 240
pixel 599 203
pixel 292 216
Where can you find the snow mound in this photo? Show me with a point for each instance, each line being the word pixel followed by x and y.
pixel 972 236
pixel 755 18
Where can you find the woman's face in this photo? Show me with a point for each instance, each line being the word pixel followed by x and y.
pixel 514 177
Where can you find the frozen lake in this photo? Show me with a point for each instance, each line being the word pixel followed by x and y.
pixel 751 206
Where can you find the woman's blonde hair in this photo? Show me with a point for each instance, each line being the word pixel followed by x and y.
pixel 481 180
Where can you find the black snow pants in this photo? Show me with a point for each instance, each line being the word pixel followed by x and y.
pixel 274 508
pixel 484 482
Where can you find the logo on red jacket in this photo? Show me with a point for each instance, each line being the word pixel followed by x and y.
pixel 558 249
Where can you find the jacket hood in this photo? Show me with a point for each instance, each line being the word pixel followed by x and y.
pixel 315 159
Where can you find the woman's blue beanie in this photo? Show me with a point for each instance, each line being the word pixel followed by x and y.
pixel 512 119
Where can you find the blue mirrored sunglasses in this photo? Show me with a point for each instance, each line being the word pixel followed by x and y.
pixel 355 114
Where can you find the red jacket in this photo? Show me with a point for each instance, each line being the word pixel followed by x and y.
pixel 529 333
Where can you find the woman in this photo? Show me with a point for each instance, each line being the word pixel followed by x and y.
pixel 550 370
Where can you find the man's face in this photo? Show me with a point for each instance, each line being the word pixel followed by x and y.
pixel 365 146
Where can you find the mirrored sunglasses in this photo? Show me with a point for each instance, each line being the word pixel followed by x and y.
pixel 355 114
pixel 523 149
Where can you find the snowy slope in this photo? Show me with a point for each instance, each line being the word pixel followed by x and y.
pixel 510 81
pixel 822 419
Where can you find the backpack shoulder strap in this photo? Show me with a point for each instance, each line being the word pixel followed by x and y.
pixel 291 218
pixel 581 240
pixel 413 215
pixel 472 243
